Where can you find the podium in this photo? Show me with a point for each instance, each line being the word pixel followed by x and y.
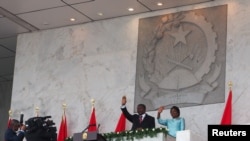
pixel 88 136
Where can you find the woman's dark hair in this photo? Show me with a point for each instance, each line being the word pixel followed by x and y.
pixel 177 109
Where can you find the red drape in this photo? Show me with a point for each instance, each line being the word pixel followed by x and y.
pixel 92 121
pixel 121 125
pixel 62 134
pixel 227 115
pixel 9 121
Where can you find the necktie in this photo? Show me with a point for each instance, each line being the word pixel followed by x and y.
pixel 140 118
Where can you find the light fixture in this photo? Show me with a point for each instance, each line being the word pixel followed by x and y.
pixel 45 23
pixel 72 19
pixel 100 13
pixel 159 4
pixel 130 9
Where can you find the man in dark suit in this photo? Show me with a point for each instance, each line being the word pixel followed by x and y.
pixel 139 121
pixel 13 133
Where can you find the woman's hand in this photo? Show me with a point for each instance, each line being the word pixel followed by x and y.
pixel 160 109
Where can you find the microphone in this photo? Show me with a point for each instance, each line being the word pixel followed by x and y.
pixel 21 119
pixel 43 118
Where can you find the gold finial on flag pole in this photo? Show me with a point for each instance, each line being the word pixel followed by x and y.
pixel 10 113
pixel 230 84
pixel 64 105
pixel 37 111
pixel 93 102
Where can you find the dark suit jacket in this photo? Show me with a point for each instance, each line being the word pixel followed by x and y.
pixel 10 135
pixel 148 121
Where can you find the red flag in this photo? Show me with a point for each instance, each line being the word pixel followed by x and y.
pixel 227 115
pixel 121 124
pixel 62 135
pixel 9 121
pixel 92 121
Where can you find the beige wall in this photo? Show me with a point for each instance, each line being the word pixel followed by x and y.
pixel 98 60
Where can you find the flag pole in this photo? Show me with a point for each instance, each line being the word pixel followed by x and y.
pixel 64 106
pixel 227 114
pixel 62 134
pixel 92 102
pixel 37 111
pixel 230 85
pixel 92 121
pixel 9 120
pixel 10 113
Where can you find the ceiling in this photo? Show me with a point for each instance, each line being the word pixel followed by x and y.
pixel 24 16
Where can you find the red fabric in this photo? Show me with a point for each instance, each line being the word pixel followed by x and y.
pixel 92 121
pixel 9 121
pixel 121 124
pixel 227 115
pixel 62 135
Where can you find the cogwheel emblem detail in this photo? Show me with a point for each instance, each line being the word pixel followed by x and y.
pixel 178 56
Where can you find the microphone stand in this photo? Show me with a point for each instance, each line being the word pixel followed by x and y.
pixel 88 127
pixel 85 129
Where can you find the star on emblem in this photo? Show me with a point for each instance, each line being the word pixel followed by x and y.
pixel 180 36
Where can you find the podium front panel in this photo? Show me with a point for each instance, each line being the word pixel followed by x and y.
pixel 77 137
